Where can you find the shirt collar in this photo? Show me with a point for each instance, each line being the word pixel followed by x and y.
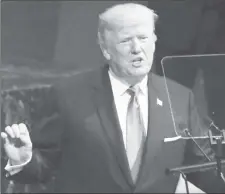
pixel 119 87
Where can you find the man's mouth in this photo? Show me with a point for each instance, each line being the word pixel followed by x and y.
pixel 137 62
pixel 139 59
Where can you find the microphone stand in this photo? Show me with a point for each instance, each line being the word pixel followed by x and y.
pixel 202 151
pixel 185 181
pixel 218 141
pixel 193 168
pixel 206 166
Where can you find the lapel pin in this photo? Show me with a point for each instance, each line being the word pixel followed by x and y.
pixel 159 102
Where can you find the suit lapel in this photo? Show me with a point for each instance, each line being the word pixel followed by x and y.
pixel 156 114
pixel 104 101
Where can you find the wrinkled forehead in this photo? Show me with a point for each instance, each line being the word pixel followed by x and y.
pixel 127 15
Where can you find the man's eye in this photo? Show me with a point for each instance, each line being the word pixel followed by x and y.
pixel 125 40
pixel 143 38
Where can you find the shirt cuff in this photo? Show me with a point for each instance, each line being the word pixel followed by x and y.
pixel 13 169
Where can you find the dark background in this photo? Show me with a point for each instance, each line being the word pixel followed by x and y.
pixel 44 40
pixel 48 38
pixel 50 34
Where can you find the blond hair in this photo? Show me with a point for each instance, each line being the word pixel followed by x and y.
pixel 119 13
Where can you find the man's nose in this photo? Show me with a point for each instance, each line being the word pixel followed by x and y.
pixel 136 46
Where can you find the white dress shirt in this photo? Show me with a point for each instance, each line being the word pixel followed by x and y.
pixel 121 99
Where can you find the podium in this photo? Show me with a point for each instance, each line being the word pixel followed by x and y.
pixel 185 71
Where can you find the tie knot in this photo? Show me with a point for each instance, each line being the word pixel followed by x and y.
pixel 133 90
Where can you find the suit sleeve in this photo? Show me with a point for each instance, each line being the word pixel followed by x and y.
pixel 47 142
pixel 208 180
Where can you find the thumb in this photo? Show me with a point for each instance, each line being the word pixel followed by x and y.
pixel 5 138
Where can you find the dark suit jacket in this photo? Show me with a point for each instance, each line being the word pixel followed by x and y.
pixel 85 142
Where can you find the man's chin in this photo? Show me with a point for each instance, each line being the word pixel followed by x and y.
pixel 141 71
pixel 137 75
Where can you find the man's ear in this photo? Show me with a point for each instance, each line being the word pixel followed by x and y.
pixel 106 54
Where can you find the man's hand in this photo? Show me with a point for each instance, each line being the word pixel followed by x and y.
pixel 17 143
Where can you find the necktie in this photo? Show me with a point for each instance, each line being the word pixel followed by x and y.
pixel 135 133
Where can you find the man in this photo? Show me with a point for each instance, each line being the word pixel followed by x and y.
pixel 113 120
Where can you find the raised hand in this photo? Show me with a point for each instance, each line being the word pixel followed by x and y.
pixel 17 143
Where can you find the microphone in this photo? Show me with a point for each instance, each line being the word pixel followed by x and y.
pixel 211 123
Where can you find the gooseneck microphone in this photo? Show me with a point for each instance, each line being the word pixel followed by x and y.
pixel 211 123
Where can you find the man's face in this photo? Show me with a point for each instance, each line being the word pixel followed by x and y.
pixel 131 48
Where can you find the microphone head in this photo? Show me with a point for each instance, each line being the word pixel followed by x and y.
pixel 209 122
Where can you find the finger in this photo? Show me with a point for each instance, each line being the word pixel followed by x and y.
pixel 23 129
pixel 9 132
pixel 5 137
pixel 24 134
pixel 16 131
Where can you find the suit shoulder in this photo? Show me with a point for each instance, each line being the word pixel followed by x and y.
pixel 165 81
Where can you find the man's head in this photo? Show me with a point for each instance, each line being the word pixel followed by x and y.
pixel 127 39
